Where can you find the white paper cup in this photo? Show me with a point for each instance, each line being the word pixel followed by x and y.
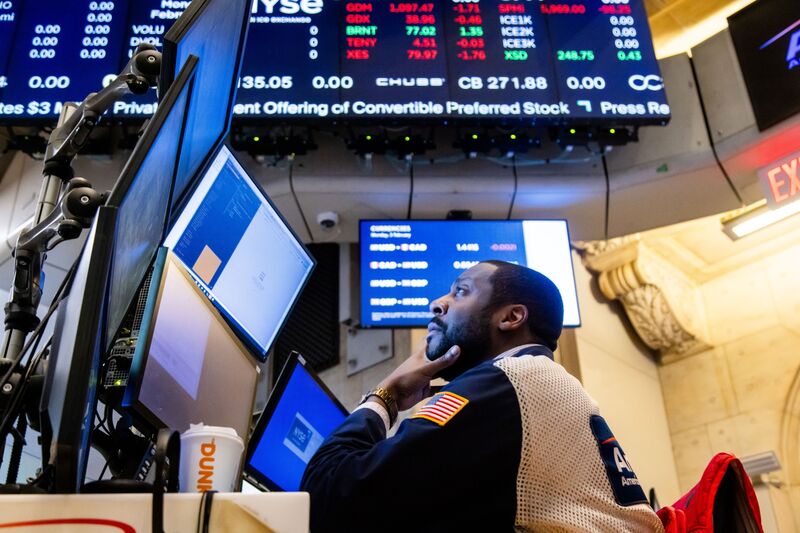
pixel 210 458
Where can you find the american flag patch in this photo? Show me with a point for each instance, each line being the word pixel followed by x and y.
pixel 442 407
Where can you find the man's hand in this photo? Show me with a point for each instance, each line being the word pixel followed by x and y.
pixel 411 381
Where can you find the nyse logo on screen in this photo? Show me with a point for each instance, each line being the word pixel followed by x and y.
pixel 288 7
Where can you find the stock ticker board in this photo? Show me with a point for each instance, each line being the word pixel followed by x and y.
pixel 543 61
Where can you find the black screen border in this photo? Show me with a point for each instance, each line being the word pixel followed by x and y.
pixel 140 152
pixel 251 474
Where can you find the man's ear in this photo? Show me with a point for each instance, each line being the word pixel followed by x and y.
pixel 513 317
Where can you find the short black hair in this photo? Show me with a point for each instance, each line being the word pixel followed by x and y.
pixel 515 284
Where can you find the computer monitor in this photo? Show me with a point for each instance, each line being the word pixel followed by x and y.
pixel 215 31
pixel 141 195
pixel 300 413
pixel 189 367
pixel 241 251
pixel 69 393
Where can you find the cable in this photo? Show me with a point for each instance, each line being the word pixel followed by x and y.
pixel 711 137
pixel 608 197
pixel 411 191
pixel 297 202
pixel 516 186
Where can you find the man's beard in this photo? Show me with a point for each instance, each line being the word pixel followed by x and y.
pixel 471 336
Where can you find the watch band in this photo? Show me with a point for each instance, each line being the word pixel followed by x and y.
pixel 388 399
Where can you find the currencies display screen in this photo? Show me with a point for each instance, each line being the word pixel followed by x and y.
pixel 407 264
pixel 544 61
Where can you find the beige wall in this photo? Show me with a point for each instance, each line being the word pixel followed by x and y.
pixel 620 373
pixel 734 397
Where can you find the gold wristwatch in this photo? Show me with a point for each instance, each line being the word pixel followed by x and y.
pixel 388 399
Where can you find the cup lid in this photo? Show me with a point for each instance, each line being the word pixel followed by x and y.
pixel 212 431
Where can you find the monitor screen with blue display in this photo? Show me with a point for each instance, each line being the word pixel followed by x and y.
pixel 407 264
pixel 215 32
pixel 543 61
pixel 300 414
pixel 241 252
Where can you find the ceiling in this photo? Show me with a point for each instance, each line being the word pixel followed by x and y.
pixel 701 250
pixel 678 25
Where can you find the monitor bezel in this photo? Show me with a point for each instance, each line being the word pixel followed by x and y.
pixel 66 447
pixel 251 474
pixel 136 160
pixel 131 399
pixel 177 212
pixel 363 221
pixel 169 58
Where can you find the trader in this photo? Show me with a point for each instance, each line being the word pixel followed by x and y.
pixel 513 441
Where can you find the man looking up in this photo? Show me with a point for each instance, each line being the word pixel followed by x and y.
pixel 513 442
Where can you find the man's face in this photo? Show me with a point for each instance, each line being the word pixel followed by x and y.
pixel 461 318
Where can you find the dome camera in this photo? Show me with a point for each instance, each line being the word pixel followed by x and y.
pixel 328 219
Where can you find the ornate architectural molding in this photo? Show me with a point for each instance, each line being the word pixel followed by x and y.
pixel 664 306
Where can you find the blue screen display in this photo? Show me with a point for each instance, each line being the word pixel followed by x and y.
pixel 407 264
pixel 545 61
pixel 303 417
pixel 214 37
pixel 143 208
pixel 240 251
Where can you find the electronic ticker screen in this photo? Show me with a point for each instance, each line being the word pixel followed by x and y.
pixel 407 264
pixel 543 61
pixel 766 35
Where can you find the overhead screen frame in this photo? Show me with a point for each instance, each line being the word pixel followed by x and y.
pixel 178 211
pixel 135 162
pixel 292 362
pixel 401 221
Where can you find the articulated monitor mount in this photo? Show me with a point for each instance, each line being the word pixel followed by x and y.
pixel 66 206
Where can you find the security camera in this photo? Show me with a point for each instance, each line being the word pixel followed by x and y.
pixel 328 219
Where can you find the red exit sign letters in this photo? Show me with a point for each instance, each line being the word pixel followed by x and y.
pixel 781 181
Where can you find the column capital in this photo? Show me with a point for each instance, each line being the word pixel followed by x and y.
pixel 664 305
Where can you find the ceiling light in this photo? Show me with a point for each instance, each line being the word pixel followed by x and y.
pixel 756 217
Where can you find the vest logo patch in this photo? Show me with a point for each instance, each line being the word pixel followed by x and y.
pixel 624 483
pixel 442 408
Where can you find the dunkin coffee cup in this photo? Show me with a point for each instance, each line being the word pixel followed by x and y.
pixel 210 457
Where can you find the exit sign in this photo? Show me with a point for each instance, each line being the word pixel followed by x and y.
pixel 781 181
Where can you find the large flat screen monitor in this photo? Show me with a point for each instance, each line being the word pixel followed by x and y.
pixel 766 35
pixel 67 405
pixel 214 31
pixel 240 251
pixel 300 413
pixel 142 194
pixel 189 367
pixel 406 264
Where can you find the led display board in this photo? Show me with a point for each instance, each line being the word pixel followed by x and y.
pixel 543 61
pixel 766 35
pixel 407 264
